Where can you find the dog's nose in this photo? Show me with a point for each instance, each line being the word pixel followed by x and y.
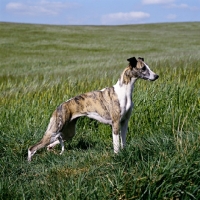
pixel 156 76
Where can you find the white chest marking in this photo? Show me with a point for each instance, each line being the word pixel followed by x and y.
pixel 124 93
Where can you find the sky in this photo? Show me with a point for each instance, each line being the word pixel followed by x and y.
pixel 99 12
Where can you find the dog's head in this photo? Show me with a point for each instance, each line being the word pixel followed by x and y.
pixel 141 70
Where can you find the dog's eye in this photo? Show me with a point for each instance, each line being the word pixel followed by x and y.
pixel 144 68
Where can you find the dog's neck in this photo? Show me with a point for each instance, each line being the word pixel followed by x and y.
pixel 127 88
pixel 127 79
pixel 125 84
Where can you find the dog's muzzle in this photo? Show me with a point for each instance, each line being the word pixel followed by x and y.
pixel 155 77
pixel 150 79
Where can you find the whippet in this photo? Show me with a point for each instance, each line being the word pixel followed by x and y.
pixel 112 105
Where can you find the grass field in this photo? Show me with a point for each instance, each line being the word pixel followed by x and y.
pixel 41 66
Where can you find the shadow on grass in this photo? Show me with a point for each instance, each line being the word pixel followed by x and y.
pixel 83 144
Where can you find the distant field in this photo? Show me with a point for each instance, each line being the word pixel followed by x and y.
pixel 41 66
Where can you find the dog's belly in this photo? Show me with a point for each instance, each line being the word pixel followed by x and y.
pixel 93 115
pixel 99 118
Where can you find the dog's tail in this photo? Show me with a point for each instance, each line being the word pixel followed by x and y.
pixel 52 133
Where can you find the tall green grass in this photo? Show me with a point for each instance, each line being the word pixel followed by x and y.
pixel 42 66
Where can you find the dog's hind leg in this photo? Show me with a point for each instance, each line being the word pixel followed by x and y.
pixel 62 144
pixel 52 145
pixel 52 134
pixel 68 132
pixel 43 142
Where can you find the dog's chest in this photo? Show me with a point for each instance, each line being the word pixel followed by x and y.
pixel 125 106
pixel 125 100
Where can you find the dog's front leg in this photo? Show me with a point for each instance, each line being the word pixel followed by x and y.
pixel 115 134
pixel 124 127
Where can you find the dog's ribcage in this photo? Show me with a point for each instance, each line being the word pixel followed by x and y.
pixel 101 105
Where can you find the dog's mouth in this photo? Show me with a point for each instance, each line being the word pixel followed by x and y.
pixel 150 79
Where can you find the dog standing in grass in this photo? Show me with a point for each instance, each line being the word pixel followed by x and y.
pixel 112 105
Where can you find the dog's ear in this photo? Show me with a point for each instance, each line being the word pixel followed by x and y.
pixel 141 58
pixel 132 61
